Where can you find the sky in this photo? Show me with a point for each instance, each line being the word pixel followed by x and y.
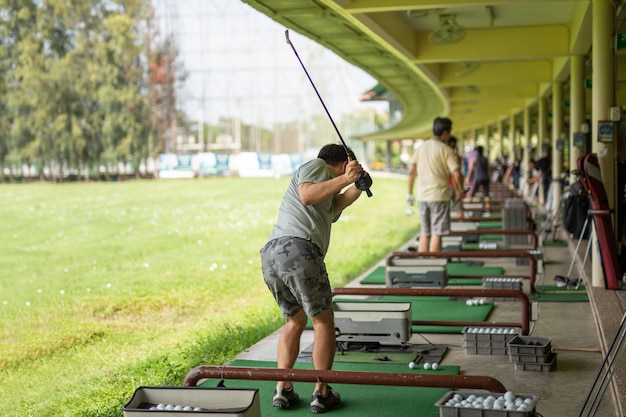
pixel 239 65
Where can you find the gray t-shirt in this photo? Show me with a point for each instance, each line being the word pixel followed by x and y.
pixel 311 222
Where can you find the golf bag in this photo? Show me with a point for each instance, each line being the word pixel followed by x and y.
pixel 591 180
pixel 575 207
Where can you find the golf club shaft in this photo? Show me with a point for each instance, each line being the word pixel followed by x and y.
pixel 316 92
pixel 619 335
pixel 369 193
pixel 456 203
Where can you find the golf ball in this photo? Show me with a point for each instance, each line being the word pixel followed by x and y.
pixel 426 365
pixel 435 366
pixel 411 365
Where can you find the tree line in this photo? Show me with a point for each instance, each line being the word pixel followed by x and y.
pixel 84 86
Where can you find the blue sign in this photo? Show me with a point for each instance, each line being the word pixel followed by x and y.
pixel 606 130
pixel 578 139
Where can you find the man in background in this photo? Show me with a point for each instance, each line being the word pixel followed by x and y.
pixel 457 205
pixel 432 164
pixel 544 166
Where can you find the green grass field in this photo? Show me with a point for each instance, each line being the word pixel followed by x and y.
pixel 105 287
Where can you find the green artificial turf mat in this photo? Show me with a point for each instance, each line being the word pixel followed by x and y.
pixel 469 270
pixel 553 293
pixel 465 281
pixel 490 237
pixel 377 276
pixel 357 399
pixel 490 225
pixel 396 298
pixel 439 310
pixel 375 357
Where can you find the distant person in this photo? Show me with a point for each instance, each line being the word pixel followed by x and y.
pixel 544 166
pixel 469 158
pixel 502 166
pixel 533 178
pixel 513 173
pixel 293 263
pixel 478 172
pixel 433 163
pixel 457 205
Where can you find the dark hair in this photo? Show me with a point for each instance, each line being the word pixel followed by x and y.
pixel 480 150
pixel 440 125
pixel 452 141
pixel 334 154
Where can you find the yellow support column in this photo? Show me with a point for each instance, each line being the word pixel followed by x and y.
pixel 557 135
pixel 603 81
pixel 577 111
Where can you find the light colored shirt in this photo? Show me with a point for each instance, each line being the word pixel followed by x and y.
pixel 312 222
pixel 435 161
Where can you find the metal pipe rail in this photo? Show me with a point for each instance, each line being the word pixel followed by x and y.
pixel 474 207
pixel 533 236
pixel 524 323
pixel 496 201
pixel 491 253
pixel 476 219
pixel 344 377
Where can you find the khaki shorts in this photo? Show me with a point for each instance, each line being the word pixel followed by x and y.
pixel 295 273
pixel 434 218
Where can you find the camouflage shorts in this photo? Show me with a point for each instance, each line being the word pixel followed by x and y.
pixel 295 273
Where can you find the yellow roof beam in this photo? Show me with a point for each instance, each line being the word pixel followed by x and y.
pixel 499 73
pixel 483 108
pixel 377 6
pixel 492 92
pixel 506 43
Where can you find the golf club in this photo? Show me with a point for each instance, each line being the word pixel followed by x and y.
pixel 369 193
pixel 613 355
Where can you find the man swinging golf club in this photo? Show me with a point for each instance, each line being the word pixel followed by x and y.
pixel 293 263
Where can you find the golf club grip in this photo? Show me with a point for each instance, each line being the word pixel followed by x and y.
pixel 368 192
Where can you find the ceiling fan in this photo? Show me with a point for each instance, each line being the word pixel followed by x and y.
pixel 448 31
pixel 465 68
